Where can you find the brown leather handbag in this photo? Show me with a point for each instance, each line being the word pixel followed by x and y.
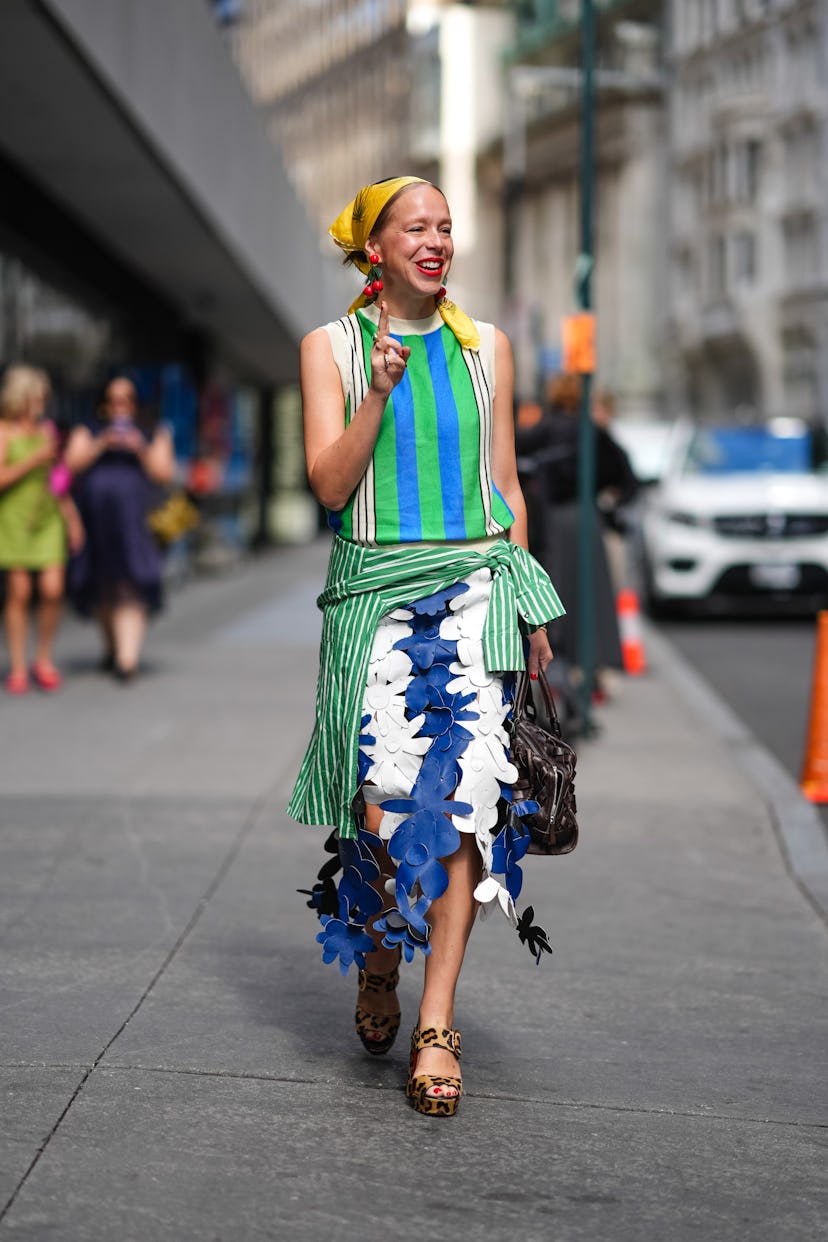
pixel 546 770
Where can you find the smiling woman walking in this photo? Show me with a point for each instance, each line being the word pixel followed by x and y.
pixel 431 597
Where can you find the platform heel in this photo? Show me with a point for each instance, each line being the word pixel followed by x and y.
pixel 419 1085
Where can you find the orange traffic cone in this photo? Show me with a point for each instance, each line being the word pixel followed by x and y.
pixel 629 625
pixel 814 782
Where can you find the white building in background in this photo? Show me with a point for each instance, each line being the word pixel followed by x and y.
pixel 748 120
pixel 530 185
pixel 357 90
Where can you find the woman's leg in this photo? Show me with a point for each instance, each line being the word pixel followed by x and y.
pixel 129 624
pixel 16 617
pixel 50 594
pixel 103 615
pixel 452 918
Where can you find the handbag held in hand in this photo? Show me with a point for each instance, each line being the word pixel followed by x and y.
pixel 546 770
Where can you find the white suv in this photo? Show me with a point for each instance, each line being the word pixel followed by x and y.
pixel 741 511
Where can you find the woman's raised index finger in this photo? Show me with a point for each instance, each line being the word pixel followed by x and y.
pixel 382 326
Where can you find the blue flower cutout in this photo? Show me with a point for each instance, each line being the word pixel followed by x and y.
pixel 363 760
pixel 356 896
pixel 345 941
pixel 369 841
pixel 438 603
pixel 429 873
pixel 397 930
pixel 444 714
pixel 509 847
pixel 527 807
pixel 438 778
pixel 424 834
pixel 423 689
pixel 426 647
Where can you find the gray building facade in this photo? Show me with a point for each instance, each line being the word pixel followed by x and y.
pixel 748 221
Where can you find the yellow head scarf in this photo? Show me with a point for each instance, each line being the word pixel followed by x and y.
pixel 352 228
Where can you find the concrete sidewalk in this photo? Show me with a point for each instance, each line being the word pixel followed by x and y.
pixel 178 1064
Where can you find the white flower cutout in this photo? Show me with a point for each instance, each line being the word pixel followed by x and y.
pixel 392 667
pixel 480 588
pixel 489 892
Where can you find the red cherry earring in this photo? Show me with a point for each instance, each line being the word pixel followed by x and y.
pixel 373 284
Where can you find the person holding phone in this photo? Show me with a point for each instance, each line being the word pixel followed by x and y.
pixel 117 577
pixel 431 601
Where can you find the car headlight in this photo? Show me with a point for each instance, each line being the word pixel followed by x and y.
pixel 682 518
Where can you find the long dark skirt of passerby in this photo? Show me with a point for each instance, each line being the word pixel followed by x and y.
pixel 559 553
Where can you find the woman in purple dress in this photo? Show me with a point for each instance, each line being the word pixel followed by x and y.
pixel 117 576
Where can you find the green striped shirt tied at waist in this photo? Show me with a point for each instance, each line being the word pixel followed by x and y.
pixel 363 585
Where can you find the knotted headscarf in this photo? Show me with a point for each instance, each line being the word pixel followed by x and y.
pixel 351 230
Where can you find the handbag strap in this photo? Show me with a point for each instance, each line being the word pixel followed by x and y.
pixel 523 697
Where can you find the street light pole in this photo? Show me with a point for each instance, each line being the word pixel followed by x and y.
pixel 586 622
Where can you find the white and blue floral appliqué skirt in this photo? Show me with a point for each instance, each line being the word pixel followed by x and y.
pixel 434 756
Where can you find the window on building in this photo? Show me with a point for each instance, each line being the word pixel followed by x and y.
pixel 800 373
pixel 753 168
pixel 719 171
pixel 802 249
pixel 747 162
pixel 744 258
pixel 718 265
pixel 685 273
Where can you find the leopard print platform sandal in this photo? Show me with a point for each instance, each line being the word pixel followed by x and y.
pixel 377 1031
pixel 421 1088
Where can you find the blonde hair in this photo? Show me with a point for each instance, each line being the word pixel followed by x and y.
pixel 20 385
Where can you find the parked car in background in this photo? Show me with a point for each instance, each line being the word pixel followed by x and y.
pixel 740 513
pixel 647 445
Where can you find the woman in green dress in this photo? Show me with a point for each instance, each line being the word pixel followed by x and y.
pixel 33 526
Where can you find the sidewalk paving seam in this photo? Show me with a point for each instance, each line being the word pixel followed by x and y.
pixel 248 825
pixel 638 1110
pixel 797 827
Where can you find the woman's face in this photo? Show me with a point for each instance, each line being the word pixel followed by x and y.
pixel 415 245
pixel 119 400
pixel 36 402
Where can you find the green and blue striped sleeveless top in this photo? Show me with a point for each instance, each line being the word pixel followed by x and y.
pixel 430 477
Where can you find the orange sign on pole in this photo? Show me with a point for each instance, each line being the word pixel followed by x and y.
pixel 578 334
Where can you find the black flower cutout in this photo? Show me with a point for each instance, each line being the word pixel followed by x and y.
pixel 533 936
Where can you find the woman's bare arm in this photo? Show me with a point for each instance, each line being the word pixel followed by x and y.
pixel 158 458
pixel 83 449
pixel 9 475
pixel 337 456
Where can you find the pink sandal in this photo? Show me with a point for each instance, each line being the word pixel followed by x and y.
pixel 17 683
pixel 47 677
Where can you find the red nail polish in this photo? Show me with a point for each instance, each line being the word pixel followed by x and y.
pixel 533 677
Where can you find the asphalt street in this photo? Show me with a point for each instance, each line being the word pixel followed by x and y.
pixel 178 1064
pixel 762 667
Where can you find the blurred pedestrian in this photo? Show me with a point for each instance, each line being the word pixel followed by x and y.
pixel 553 445
pixel 615 498
pixel 36 517
pixel 409 439
pixel 118 465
